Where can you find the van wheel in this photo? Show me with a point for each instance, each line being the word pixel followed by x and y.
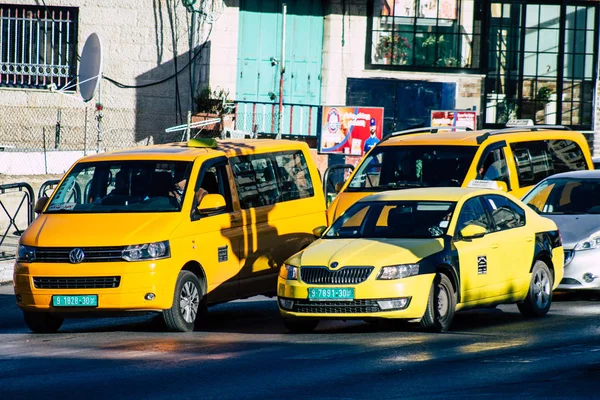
pixel 297 325
pixel 42 322
pixel 187 300
pixel 539 298
pixel 441 305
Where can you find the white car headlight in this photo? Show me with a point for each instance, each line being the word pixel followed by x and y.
pixel 398 271
pixel 148 251
pixel 593 242
pixel 288 272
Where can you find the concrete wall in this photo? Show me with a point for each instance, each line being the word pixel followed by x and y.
pixel 344 57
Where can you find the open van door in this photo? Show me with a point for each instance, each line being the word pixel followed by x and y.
pixel 333 180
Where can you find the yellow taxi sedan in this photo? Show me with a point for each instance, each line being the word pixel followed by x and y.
pixel 422 254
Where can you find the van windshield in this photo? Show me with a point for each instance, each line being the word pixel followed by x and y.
pixel 395 167
pixel 122 187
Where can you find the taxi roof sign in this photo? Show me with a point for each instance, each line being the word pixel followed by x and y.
pixel 483 184
pixel 208 143
pixel 519 122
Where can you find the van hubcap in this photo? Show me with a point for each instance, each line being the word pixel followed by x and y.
pixel 189 301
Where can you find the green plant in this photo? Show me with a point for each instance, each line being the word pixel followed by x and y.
pixel 212 101
pixel 543 94
pixel 394 49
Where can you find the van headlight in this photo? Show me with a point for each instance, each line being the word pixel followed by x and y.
pixel 398 271
pixel 148 251
pixel 593 242
pixel 25 253
pixel 288 272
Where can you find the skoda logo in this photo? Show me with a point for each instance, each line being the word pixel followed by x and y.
pixel 76 256
pixel 334 264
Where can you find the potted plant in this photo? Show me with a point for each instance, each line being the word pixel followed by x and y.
pixel 211 104
pixel 393 49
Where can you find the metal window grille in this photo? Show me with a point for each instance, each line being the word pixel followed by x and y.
pixel 38 46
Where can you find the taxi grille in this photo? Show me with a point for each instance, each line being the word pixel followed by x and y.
pixel 568 256
pixel 337 307
pixel 342 276
pixel 92 254
pixel 92 282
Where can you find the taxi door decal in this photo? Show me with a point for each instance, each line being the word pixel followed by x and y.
pixel 482 265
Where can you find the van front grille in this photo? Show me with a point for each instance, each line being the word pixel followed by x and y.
pixel 337 307
pixel 91 254
pixel 91 282
pixel 342 276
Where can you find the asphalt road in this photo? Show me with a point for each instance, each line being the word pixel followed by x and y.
pixel 244 352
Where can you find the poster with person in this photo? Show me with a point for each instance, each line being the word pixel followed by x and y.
pixel 350 130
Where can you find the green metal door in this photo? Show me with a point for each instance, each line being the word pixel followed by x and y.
pixel 260 51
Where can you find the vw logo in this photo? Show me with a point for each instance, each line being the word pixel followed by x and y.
pixel 76 256
pixel 334 264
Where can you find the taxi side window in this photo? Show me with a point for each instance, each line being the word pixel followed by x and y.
pixel 494 167
pixel 505 214
pixel 473 213
pixel 213 180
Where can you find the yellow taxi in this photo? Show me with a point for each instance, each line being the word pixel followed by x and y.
pixel 422 254
pixel 516 157
pixel 168 228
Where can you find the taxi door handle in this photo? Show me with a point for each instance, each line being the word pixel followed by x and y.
pixel 494 245
pixel 529 239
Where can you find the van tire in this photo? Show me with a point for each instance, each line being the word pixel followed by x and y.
pixel 188 301
pixel 440 306
pixel 42 322
pixel 539 297
pixel 298 325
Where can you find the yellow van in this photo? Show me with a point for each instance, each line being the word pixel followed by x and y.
pixel 167 228
pixel 517 158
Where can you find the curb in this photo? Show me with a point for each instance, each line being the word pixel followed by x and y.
pixel 6 271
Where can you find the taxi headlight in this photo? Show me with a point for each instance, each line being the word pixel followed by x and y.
pixel 25 253
pixel 593 242
pixel 288 272
pixel 398 271
pixel 148 251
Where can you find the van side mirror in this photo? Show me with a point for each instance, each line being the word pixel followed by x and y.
pixel 210 204
pixel 472 231
pixel 40 204
pixel 319 230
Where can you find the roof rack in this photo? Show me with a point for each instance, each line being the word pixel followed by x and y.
pixel 534 128
pixel 426 129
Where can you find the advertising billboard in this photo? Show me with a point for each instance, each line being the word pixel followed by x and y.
pixel 350 130
pixel 458 118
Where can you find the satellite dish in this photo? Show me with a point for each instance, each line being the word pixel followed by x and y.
pixel 90 67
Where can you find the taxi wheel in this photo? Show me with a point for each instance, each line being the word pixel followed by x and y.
pixel 441 305
pixel 539 298
pixel 187 303
pixel 42 322
pixel 296 325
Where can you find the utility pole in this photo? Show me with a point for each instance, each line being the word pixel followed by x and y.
pixel 282 63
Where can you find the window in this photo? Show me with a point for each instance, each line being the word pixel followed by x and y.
pixel 493 167
pixel 565 196
pixel 424 33
pixel 213 179
pixel 505 214
pixel 267 179
pixel 540 159
pixel 38 46
pixel 473 213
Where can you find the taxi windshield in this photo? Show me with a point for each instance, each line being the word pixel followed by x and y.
pixel 565 196
pixel 393 167
pixel 393 219
pixel 122 187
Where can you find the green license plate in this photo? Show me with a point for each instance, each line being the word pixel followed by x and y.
pixel 90 300
pixel 328 294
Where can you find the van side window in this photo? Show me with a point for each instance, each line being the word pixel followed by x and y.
pixel 537 160
pixel 505 214
pixel 266 179
pixel 494 168
pixel 213 180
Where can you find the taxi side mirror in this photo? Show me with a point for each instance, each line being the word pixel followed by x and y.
pixel 502 186
pixel 210 204
pixel 472 231
pixel 40 204
pixel 319 230
pixel 339 186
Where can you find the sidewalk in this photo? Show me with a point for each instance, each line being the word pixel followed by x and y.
pixel 6 270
